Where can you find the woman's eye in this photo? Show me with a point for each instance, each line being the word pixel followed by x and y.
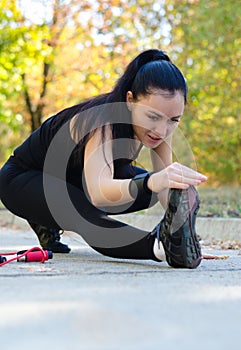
pixel 153 117
pixel 175 120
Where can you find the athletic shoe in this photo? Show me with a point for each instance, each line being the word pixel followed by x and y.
pixel 49 238
pixel 177 229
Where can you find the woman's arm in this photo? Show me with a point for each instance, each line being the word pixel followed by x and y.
pixel 170 175
pixel 99 172
pixel 161 158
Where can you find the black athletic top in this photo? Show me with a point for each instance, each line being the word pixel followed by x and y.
pixel 31 154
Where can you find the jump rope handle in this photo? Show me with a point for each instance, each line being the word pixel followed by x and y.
pixel 35 254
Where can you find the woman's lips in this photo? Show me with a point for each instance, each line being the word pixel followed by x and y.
pixel 154 138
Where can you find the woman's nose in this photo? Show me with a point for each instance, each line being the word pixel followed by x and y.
pixel 161 129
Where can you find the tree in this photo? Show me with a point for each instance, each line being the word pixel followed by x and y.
pixel 10 45
pixel 78 50
pixel 205 39
pixel 106 31
pixel 81 47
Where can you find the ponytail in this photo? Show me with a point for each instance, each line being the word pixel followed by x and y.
pixel 125 83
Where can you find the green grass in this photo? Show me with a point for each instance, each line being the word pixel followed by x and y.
pixel 220 202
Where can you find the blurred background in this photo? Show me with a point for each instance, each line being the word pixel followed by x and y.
pixel 55 53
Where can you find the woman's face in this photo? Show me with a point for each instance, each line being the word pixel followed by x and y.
pixel 155 116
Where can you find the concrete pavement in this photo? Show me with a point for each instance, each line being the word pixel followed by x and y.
pixel 84 300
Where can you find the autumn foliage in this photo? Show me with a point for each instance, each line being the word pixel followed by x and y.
pixel 75 49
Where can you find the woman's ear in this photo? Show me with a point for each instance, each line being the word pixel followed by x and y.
pixel 129 100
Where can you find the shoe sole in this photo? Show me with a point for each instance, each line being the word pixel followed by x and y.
pixel 184 249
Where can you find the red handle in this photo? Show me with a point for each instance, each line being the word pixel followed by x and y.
pixel 36 256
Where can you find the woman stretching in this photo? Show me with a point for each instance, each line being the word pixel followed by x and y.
pixel 77 169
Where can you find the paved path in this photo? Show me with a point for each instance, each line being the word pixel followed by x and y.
pixel 84 300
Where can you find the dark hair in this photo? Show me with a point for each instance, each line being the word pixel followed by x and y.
pixel 158 75
pixel 150 70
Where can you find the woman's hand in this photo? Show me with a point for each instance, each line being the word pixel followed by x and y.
pixel 175 175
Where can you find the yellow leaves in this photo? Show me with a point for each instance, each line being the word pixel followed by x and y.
pixel 205 116
pixel 95 79
pixel 222 74
pixel 89 43
pixel 230 120
pixel 234 84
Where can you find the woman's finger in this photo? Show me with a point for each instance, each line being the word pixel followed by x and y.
pixel 179 185
pixel 183 179
pixel 184 171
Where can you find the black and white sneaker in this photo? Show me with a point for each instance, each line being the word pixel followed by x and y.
pixel 177 229
pixel 49 238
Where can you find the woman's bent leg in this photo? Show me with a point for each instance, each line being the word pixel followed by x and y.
pixel 60 205
pixel 20 191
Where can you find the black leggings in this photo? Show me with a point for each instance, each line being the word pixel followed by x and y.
pixel 23 193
